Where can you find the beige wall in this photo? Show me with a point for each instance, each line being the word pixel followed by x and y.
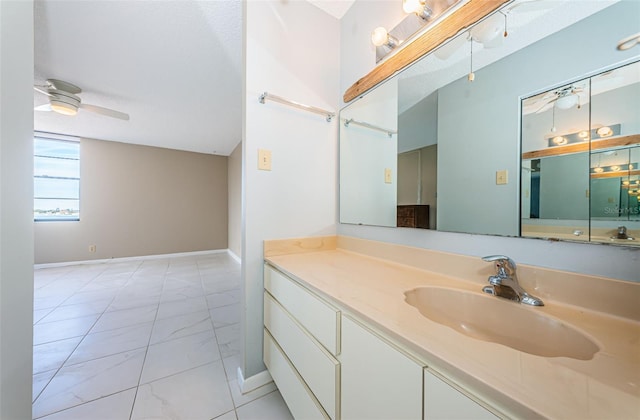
pixel 235 200
pixel 140 200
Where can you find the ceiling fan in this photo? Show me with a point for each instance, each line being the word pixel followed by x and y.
pixel 64 99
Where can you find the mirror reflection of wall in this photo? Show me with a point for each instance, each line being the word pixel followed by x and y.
pixel 368 159
pixel 417 159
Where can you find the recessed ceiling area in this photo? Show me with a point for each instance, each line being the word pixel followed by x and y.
pixel 174 66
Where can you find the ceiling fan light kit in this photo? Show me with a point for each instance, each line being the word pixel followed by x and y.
pixel 63 100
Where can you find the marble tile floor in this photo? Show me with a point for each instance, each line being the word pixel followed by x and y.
pixel 152 339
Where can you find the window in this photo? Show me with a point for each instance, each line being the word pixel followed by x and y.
pixel 56 179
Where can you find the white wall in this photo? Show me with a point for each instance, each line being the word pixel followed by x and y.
pixel 583 258
pixel 291 50
pixel 16 208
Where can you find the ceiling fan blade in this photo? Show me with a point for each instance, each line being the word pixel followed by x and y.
pixel 546 106
pixel 42 90
pixel 105 111
pixel 44 107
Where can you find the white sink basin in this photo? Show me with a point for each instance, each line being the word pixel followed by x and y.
pixel 497 320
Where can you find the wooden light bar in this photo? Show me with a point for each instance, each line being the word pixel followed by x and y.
pixel 462 18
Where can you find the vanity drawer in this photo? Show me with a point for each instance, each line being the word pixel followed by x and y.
pixel 294 391
pixel 314 314
pixel 317 367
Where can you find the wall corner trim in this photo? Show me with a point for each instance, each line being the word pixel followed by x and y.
pixel 253 382
pixel 234 256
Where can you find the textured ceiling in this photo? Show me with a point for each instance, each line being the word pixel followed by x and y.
pixel 174 66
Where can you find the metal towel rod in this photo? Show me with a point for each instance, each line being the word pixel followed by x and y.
pixel 370 126
pixel 269 96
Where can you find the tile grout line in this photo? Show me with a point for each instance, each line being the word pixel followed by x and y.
pixel 144 359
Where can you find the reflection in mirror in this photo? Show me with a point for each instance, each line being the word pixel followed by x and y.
pixel 464 137
pixel 580 146
pixel 368 166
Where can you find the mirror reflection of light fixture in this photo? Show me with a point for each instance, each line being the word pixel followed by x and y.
pixel 598 169
pixel 604 131
pixel 559 140
pixel 472 76
pixel 628 42
pixel 380 37
pixel 567 101
pixel 615 168
pixel 584 134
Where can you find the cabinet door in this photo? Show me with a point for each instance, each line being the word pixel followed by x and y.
pixel 442 401
pixel 378 381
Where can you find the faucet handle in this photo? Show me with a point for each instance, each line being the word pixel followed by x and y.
pixel 504 265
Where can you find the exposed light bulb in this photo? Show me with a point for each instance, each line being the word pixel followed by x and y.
pixel 380 37
pixel 411 6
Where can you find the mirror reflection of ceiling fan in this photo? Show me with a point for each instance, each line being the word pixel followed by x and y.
pixel 64 99
pixel 563 98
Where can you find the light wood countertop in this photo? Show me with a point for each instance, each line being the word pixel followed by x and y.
pixel 351 273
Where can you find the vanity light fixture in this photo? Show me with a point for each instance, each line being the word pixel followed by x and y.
pixel 615 168
pixel 598 169
pixel 419 7
pixel 584 134
pixel 628 42
pixel 380 36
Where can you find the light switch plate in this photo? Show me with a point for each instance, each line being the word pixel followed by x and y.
pixel 387 175
pixel 501 177
pixel 264 160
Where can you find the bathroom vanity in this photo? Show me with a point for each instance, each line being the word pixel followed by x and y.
pixel 345 336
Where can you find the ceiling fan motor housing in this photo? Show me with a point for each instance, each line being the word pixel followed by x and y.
pixel 64 102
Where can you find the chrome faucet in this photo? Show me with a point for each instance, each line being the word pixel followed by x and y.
pixel 505 284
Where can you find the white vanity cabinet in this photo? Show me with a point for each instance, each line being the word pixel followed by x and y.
pixel 332 365
pixel 378 381
pixel 443 401
pixel 301 340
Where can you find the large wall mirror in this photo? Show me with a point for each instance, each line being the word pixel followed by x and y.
pixel 431 149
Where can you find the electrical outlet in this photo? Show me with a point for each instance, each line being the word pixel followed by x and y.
pixel 387 175
pixel 264 160
pixel 501 177
pixel 92 248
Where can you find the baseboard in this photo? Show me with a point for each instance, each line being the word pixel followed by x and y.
pixel 234 256
pixel 253 382
pixel 126 259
